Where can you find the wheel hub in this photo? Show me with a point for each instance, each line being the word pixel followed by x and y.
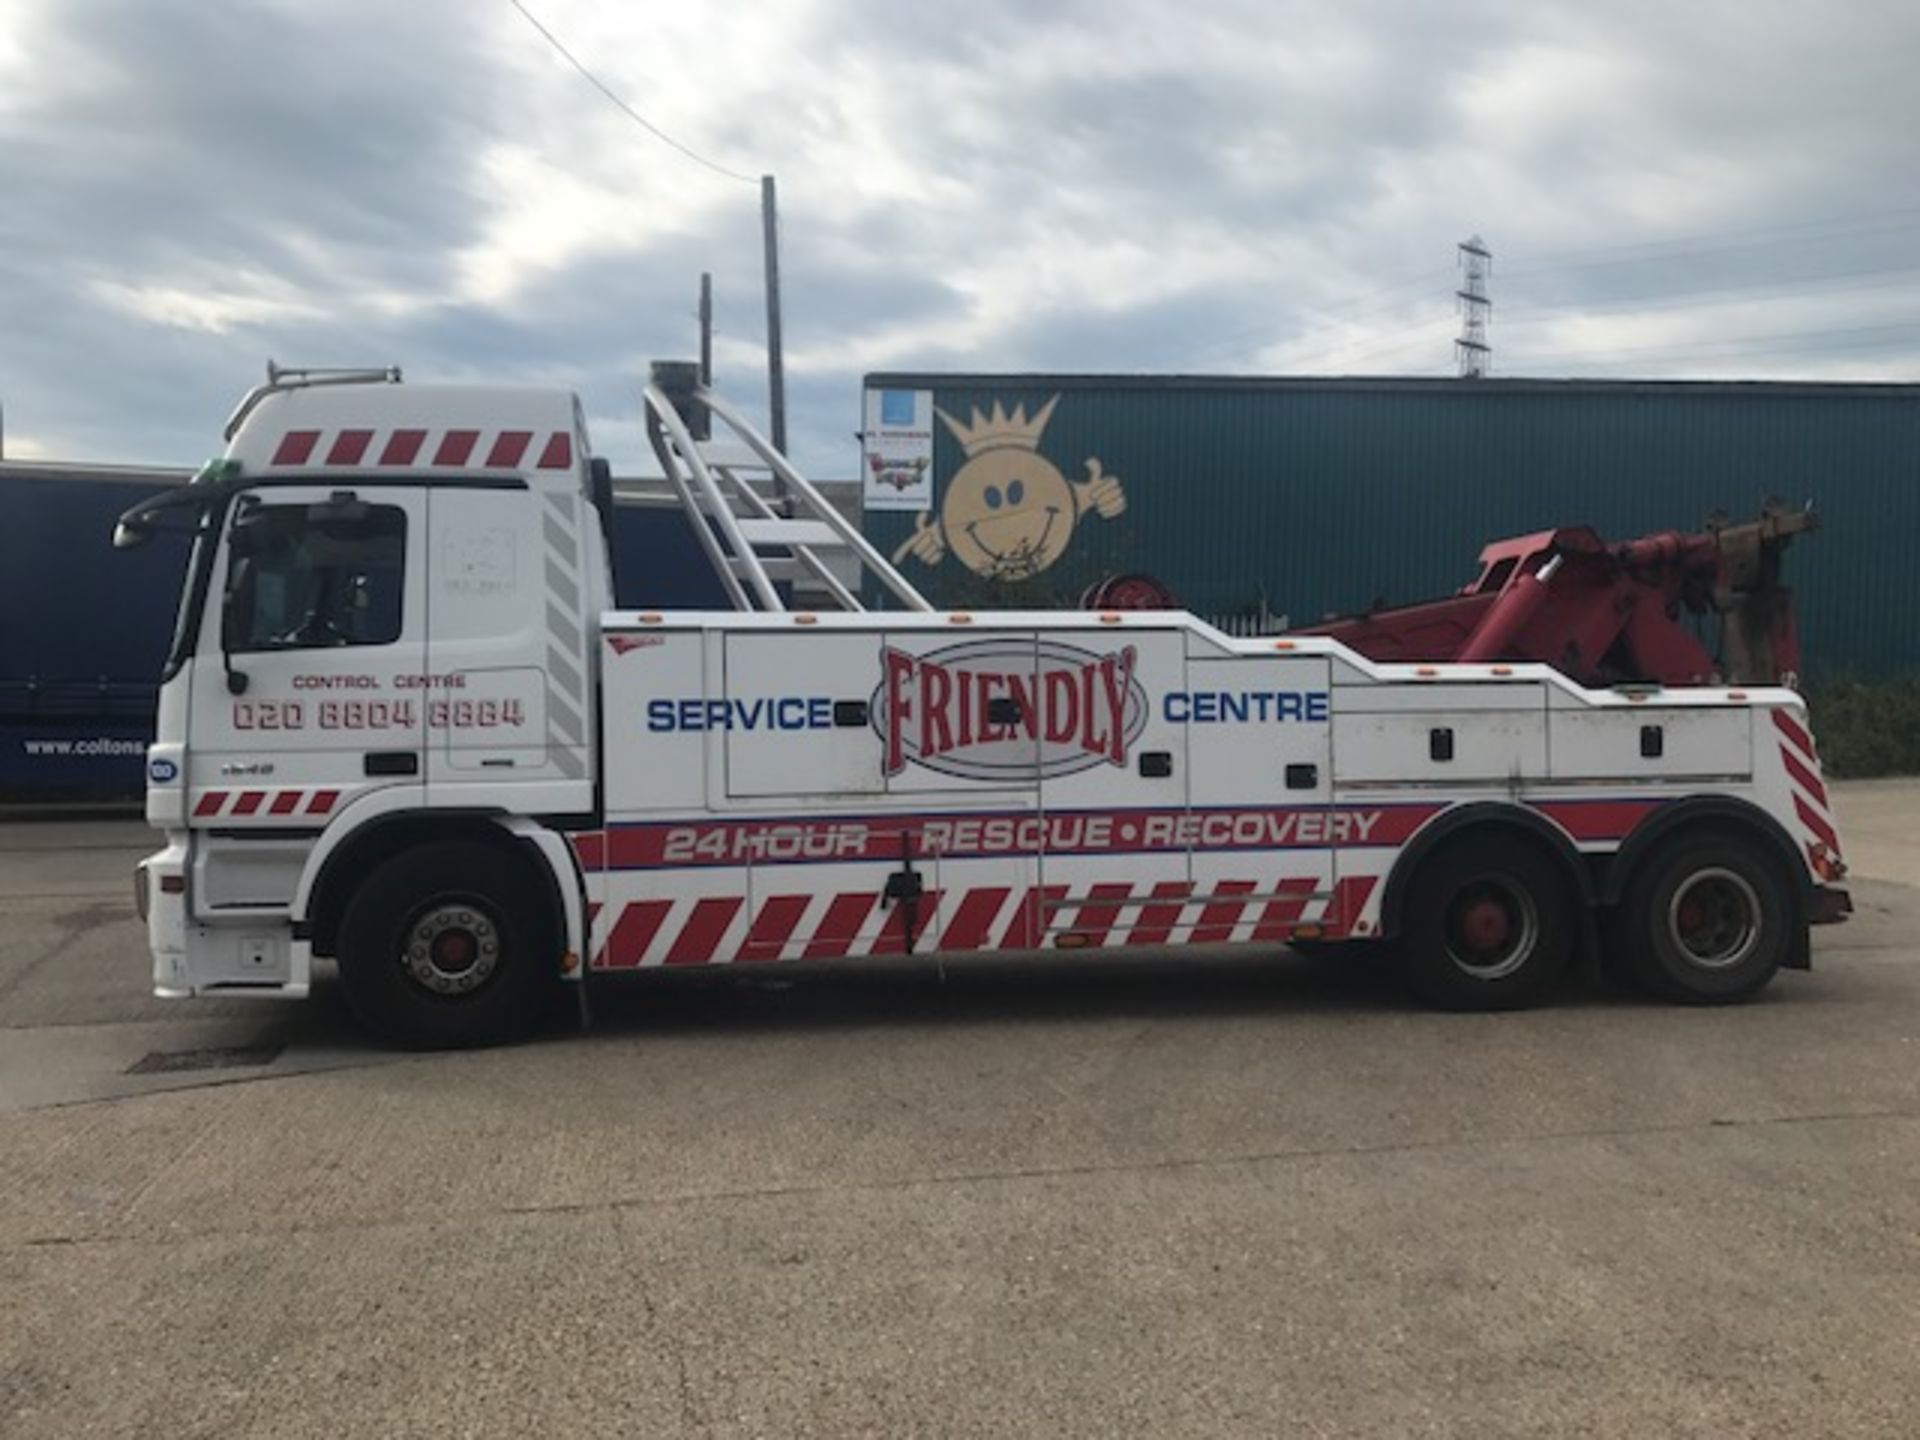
pixel 451 949
pixel 1492 927
pixel 1714 918
pixel 1485 925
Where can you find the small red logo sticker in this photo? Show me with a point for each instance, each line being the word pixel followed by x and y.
pixel 627 644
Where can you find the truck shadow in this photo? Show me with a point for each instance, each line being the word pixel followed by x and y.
pixel 1046 988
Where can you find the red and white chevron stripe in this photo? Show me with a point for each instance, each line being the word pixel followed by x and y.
pixel 264 804
pixel 1820 835
pixel 404 449
pixel 718 929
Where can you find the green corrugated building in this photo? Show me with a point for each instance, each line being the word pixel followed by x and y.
pixel 1300 497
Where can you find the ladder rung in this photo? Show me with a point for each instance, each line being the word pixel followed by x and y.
pixel 736 457
pixel 811 533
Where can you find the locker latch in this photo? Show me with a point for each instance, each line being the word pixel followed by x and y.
pixel 904 888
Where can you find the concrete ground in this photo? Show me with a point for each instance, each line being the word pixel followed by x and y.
pixel 1237 1196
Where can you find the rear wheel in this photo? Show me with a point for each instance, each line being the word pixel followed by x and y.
pixel 1488 925
pixel 1707 919
pixel 449 945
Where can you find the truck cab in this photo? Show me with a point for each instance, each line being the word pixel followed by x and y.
pixel 386 621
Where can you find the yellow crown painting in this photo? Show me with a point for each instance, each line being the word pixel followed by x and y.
pixel 1008 513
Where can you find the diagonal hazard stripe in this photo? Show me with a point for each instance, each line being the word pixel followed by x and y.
pixel 841 925
pixel 1282 913
pixel 1795 733
pixel 633 932
pixel 1350 896
pixel 700 936
pixel 1817 823
pixel 1029 922
pixel 773 926
pixel 1100 912
pixel 1159 917
pixel 1808 781
pixel 892 939
pixel 1222 912
pixel 974 917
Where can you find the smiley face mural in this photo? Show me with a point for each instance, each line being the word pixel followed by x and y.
pixel 1008 513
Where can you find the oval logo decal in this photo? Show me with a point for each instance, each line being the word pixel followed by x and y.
pixel 1004 710
pixel 162 772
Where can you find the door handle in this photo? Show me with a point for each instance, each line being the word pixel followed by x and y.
pixel 391 762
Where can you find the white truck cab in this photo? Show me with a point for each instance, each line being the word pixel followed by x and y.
pixel 402 727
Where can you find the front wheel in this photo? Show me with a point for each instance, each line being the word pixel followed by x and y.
pixel 1706 920
pixel 1488 925
pixel 449 945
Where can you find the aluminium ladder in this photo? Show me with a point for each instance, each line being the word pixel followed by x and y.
pixel 753 546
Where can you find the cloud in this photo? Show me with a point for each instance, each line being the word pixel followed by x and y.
pixel 1237 185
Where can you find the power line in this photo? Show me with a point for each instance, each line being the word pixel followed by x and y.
pixel 1537 365
pixel 1730 247
pixel 1908 333
pixel 1228 347
pixel 626 109
pixel 1689 299
pixel 1841 222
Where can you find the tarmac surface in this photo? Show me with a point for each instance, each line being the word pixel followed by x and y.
pixel 1238 1195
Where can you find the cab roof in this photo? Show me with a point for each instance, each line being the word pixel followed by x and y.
pixel 447 430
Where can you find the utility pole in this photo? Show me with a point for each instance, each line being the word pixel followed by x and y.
pixel 699 425
pixel 776 373
pixel 706 327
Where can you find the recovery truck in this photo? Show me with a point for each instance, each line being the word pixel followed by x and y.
pixel 402 727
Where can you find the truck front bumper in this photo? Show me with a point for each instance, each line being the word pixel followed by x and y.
pixel 160 894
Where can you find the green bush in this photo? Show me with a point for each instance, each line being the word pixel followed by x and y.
pixel 1867 728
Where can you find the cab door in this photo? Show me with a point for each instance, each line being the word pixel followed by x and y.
pixel 301 699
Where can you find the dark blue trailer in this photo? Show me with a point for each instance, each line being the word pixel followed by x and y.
pixel 83 628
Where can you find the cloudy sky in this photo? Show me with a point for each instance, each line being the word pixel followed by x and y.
pixel 190 186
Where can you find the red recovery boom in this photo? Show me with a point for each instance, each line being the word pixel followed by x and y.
pixel 1610 614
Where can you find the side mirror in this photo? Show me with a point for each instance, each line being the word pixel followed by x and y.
pixel 130 536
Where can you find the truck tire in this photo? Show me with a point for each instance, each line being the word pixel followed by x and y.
pixel 449 945
pixel 1488 925
pixel 1707 919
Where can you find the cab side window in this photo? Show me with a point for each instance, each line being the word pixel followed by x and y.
pixel 315 576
